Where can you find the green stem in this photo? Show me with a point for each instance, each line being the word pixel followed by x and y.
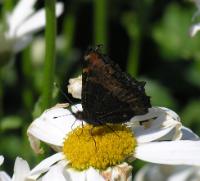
pixel 8 5
pixel 49 65
pixel 143 11
pixel 27 73
pixel 133 57
pixel 1 95
pixel 100 22
pixel 69 30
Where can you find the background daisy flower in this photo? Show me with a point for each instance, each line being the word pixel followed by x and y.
pixel 152 172
pixel 20 25
pixel 21 171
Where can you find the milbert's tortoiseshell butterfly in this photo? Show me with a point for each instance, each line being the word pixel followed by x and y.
pixel 109 95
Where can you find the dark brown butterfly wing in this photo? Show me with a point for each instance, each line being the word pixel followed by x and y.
pixel 110 95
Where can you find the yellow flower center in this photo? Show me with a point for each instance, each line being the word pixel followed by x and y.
pixel 99 147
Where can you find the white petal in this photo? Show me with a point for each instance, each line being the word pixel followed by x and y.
pixel 141 174
pixel 93 174
pixel 4 176
pixel 54 174
pixel 75 87
pixel 86 175
pixel 20 43
pixel 21 169
pixel 74 175
pixel 184 175
pixel 120 172
pixel 188 134
pixel 45 165
pixel 160 124
pixel 1 159
pixel 76 108
pixel 194 29
pixel 150 172
pixel 35 144
pixel 172 152
pixel 36 21
pixel 156 112
pixel 21 12
pixel 52 126
pixel 157 172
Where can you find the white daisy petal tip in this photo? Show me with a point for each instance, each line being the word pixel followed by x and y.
pixel 76 108
pixel 20 13
pixel 4 176
pixel 36 21
pixel 194 29
pixel 157 172
pixel 156 112
pixel 1 159
pixel 21 169
pixel 158 124
pixel 55 173
pixel 75 87
pixel 35 144
pixel 181 152
pixel 122 172
pixel 152 172
pixel 61 105
pixel 59 8
pixel 51 127
pixel 45 165
pixel 188 134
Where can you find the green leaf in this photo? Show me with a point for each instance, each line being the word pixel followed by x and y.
pixel 191 117
pixel 10 146
pixel 172 34
pixel 37 109
pixel 10 122
pixel 160 95
pixel 130 22
pixel 193 74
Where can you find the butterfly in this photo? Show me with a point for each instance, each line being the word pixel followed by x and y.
pixel 109 95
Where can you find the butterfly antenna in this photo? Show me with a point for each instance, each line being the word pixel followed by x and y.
pixel 63 93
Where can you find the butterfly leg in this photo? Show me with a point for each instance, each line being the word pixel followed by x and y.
pixel 91 132
pixel 101 123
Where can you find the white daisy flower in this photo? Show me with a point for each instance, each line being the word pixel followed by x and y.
pixel 152 172
pixel 21 23
pixel 88 153
pixel 21 171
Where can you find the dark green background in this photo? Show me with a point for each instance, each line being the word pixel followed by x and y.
pixel 150 37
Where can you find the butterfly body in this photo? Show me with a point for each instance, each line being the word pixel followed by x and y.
pixel 109 95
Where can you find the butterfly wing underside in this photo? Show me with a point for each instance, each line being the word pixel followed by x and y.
pixel 108 94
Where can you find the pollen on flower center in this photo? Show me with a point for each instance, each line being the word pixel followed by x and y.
pixel 99 147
